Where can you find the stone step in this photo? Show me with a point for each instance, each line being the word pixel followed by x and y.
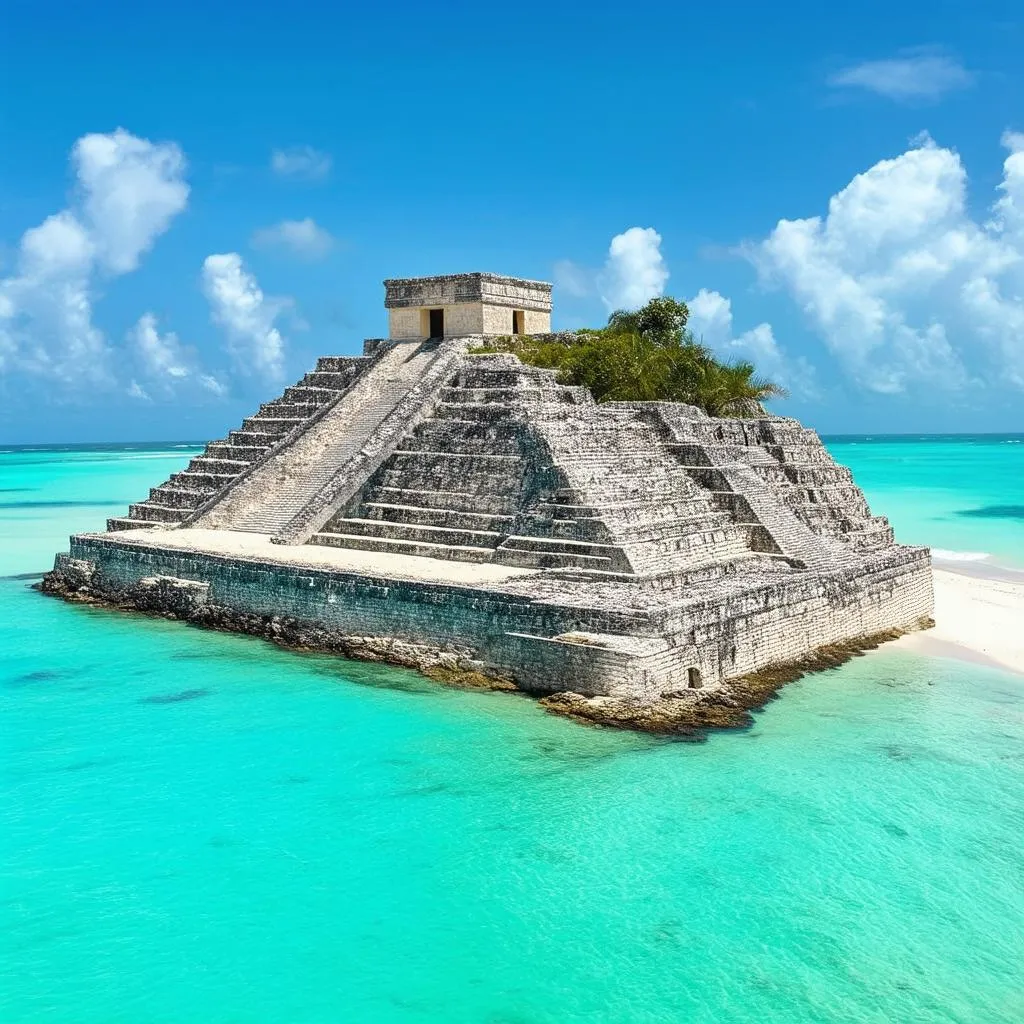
pixel 818 475
pixel 403 547
pixel 174 497
pixel 871 538
pixel 486 377
pixel 206 483
pixel 221 451
pixel 642 531
pixel 480 411
pixel 336 381
pixel 432 442
pixel 828 515
pixel 217 467
pixel 437 517
pixel 503 430
pixel 526 559
pixel 157 513
pixel 718 540
pixel 447 476
pixel 335 364
pixel 460 501
pixel 121 523
pixel 313 395
pixel 294 410
pixel 505 395
pixel 583 531
pixel 800 455
pixel 565 510
pixel 466 461
pixel 610 553
pixel 252 439
pixel 552 545
pixel 443 534
pixel 276 425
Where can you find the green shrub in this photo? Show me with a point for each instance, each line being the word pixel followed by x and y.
pixel 645 355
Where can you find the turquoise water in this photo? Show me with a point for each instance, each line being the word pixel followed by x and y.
pixel 200 827
pixel 963 494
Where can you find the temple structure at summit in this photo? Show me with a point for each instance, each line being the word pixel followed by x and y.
pixel 460 511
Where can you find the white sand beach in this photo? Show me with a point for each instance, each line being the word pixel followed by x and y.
pixel 978 618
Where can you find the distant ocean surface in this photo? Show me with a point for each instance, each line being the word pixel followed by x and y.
pixel 200 827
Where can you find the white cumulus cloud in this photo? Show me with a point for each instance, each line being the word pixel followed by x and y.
pixel 238 305
pixel 127 192
pixel 304 238
pixel 131 191
pixel 920 75
pixel 711 322
pixel 303 162
pixel 634 271
pixel 901 282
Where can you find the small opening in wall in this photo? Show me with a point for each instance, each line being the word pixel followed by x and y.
pixel 693 678
pixel 436 323
pixel 518 318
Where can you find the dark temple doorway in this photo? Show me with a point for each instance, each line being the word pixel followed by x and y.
pixel 437 323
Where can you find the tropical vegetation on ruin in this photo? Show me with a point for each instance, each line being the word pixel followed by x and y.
pixel 646 355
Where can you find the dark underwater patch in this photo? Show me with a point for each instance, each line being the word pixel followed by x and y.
pixel 79 766
pixel 428 789
pixel 897 753
pixel 174 698
pixel 994 512
pixel 24 576
pixel 42 675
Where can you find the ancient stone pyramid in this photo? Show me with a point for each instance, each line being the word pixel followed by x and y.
pixel 434 505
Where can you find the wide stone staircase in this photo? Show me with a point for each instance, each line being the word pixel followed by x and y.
pixel 224 462
pixel 515 469
pixel 473 483
pixel 618 470
pixel 269 499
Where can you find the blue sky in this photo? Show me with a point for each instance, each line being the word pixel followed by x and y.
pixel 198 199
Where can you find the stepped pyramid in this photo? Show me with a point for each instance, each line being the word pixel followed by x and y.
pixel 471 508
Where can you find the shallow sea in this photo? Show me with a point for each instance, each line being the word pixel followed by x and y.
pixel 200 827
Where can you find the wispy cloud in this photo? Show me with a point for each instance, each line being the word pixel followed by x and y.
pixel 711 322
pixel 237 304
pixel 303 162
pixel 303 238
pixel 164 363
pixel 912 76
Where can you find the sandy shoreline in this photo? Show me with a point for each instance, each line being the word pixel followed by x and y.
pixel 979 617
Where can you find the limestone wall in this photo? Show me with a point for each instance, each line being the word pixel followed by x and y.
pixel 734 629
pixel 462 319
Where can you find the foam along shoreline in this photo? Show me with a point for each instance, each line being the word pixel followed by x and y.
pixel 979 616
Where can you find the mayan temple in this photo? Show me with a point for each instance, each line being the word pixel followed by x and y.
pixel 467 514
